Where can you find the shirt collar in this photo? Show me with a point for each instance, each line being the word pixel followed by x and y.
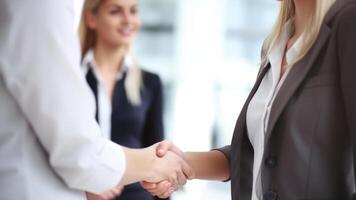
pixel 277 51
pixel 89 63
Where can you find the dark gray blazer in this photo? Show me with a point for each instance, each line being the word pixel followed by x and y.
pixel 310 144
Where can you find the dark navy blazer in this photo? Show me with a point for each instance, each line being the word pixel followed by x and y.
pixel 135 126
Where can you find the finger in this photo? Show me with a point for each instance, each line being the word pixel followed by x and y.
pixel 116 191
pixel 162 187
pixel 91 196
pixel 182 179
pixel 173 148
pixel 154 190
pixel 187 170
pixel 148 185
pixel 103 196
pixel 111 194
pixel 167 193
pixel 120 188
pixel 173 179
pixel 163 147
pixel 155 193
pixel 106 196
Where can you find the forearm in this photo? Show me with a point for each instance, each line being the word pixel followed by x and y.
pixel 211 165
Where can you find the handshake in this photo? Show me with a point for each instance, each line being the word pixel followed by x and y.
pixel 173 172
pixel 161 169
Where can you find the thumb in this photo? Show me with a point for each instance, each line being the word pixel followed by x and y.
pixel 163 147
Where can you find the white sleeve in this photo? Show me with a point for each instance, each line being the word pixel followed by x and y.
pixel 39 63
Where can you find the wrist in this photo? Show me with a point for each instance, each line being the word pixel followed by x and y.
pixel 138 165
pixel 146 163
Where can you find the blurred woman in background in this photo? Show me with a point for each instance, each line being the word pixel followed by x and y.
pixel 128 99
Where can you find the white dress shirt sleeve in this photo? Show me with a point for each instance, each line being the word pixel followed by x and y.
pixel 40 66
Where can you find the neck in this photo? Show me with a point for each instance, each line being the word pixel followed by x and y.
pixel 303 11
pixel 109 58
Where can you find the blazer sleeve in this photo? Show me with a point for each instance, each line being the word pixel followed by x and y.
pixel 40 67
pixel 346 48
pixel 153 130
pixel 226 151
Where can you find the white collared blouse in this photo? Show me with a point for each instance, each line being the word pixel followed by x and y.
pixel 259 108
pixel 104 102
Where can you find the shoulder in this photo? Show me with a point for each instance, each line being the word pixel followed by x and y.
pixel 150 78
pixel 341 20
pixel 345 23
pixel 346 14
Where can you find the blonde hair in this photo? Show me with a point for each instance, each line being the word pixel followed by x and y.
pixel 310 34
pixel 133 81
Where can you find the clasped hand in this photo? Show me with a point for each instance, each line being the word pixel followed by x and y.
pixel 161 168
pixel 164 188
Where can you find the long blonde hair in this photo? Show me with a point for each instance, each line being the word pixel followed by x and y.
pixel 133 81
pixel 310 34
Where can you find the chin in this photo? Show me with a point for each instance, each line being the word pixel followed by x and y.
pixel 126 42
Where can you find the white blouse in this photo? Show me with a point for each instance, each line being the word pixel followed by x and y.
pixel 259 108
pixel 104 99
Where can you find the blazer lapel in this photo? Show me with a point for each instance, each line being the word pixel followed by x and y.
pixel 295 78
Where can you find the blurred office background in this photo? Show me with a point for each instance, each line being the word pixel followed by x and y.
pixel 207 54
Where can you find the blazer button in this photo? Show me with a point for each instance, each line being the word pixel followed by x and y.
pixel 270 195
pixel 271 162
